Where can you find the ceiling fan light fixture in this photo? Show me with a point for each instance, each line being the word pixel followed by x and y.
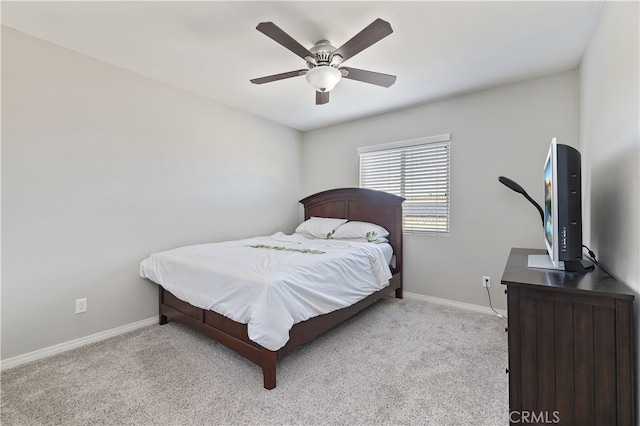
pixel 323 78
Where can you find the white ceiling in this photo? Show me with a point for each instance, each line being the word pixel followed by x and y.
pixel 211 48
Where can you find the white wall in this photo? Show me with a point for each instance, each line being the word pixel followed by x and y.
pixel 101 167
pixel 502 131
pixel 610 141
pixel 610 145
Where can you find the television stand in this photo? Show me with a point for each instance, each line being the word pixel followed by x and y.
pixel 582 266
pixel 543 261
pixel 571 345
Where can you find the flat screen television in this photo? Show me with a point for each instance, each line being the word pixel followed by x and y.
pixel 562 211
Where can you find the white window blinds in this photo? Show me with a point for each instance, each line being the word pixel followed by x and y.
pixel 417 170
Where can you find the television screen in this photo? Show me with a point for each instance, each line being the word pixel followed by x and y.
pixel 551 203
pixel 548 200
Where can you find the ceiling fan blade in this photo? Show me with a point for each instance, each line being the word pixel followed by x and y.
pixel 274 32
pixel 373 33
pixel 322 98
pixel 277 77
pixel 379 79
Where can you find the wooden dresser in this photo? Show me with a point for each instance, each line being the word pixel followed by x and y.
pixel 571 351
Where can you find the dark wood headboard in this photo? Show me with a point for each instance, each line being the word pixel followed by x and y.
pixel 365 205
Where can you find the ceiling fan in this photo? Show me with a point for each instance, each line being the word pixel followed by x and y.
pixel 324 61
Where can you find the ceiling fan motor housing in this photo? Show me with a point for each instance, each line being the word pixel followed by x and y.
pixel 323 55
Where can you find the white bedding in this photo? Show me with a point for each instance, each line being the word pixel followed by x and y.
pixel 271 289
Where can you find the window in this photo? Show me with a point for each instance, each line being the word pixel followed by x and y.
pixel 417 170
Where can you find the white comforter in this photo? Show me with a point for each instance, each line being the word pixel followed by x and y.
pixel 271 289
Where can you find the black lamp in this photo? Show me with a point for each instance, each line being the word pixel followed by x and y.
pixel 517 188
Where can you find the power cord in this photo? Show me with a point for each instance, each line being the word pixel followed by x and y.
pixel 592 257
pixel 491 306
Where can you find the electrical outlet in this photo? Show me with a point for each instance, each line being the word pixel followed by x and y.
pixel 81 305
pixel 486 281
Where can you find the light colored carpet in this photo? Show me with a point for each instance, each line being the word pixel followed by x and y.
pixel 400 362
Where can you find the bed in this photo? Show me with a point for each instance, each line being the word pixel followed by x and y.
pixel 353 204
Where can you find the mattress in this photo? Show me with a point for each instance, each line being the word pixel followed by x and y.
pixel 272 282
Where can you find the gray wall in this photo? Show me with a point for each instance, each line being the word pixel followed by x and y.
pixel 502 131
pixel 101 167
pixel 610 145
pixel 609 140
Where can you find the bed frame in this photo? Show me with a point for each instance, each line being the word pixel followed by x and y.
pixel 348 203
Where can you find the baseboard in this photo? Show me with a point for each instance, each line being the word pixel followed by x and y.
pixel 8 363
pixel 455 304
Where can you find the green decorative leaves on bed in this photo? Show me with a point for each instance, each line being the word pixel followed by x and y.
pixel 266 246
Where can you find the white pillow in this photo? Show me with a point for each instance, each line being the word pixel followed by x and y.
pixel 369 231
pixel 320 227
